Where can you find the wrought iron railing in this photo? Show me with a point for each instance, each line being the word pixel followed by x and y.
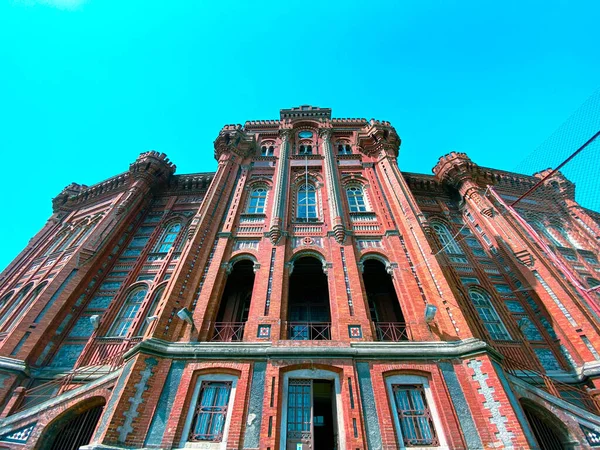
pixel 309 331
pixel 228 331
pixel 392 331
pixel 103 356
pixel 576 395
pixel 103 348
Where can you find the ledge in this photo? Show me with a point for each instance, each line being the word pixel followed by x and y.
pixel 14 365
pixel 260 350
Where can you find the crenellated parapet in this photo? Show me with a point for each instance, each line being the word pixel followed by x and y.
pixel 60 202
pixel 148 170
pixel 378 136
pixel 234 139
pixel 557 183
pixel 454 168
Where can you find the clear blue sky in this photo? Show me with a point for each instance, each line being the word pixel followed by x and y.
pixel 85 86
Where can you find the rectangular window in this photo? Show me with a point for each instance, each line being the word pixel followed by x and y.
pixel 414 415
pixel 299 405
pixel 211 411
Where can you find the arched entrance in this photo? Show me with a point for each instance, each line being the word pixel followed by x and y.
pixel 384 307
pixel 545 427
pixel 235 303
pixel 308 312
pixel 74 428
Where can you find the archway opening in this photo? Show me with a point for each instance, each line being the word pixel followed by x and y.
pixel 309 316
pixel 235 303
pixel 546 430
pixel 384 306
pixel 73 429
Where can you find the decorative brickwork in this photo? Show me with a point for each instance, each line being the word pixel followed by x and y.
pixel 308 294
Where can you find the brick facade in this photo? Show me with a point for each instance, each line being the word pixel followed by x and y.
pixel 379 293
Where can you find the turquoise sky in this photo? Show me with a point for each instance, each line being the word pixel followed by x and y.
pixel 85 86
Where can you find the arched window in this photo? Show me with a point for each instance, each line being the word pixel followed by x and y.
pixel 57 241
pixel 446 239
pixel 592 282
pixel 6 298
pixel 567 236
pixel 168 238
pixel 344 149
pixel 356 199
pixel 12 321
pixel 156 298
pixel 488 315
pixel 305 149
pixel 15 303
pixel 258 199
pixel 84 234
pixel 307 203
pixel 128 312
pixel 267 150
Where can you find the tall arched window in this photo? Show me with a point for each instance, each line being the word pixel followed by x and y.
pixel 488 315
pixel 446 239
pixel 57 241
pixel 258 199
pixel 307 203
pixel 168 237
pixel 10 308
pixel 156 298
pixel 128 312
pixel 356 199
pixel 567 236
pixel 12 321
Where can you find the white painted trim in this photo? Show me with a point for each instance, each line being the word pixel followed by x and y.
pixel 316 374
pixel 437 423
pixel 190 415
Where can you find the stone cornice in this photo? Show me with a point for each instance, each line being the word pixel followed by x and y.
pixel 14 365
pixel 360 350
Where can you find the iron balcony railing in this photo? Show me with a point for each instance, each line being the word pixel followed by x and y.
pixel 577 395
pixel 392 331
pixel 228 331
pixel 309 331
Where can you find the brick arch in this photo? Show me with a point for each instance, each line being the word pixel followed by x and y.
pixel 53 420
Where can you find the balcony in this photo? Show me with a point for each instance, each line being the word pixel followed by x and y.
pixel 309 331
pixel 392 331
pixel 228 331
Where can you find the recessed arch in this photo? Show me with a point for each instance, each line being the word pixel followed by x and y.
pixel 74 427
pixel 385 311
pixel 234 306
pixel 308 311
pixel 549 431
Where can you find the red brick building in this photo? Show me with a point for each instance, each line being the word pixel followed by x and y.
pixel 306 295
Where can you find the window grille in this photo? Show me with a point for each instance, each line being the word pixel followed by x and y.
pixel 414 415
pixel 211 411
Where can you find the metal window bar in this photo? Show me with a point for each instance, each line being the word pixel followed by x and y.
pixel 228 331
pixel 414 416
pixel 211 411
pixel 392 331
pixel 309 331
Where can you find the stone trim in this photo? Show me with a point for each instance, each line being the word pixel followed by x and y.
pixel 359 350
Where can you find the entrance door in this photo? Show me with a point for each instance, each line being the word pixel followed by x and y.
pixel 310 415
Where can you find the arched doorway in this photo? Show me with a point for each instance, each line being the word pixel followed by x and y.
pixel 235 303
pixel 545 427
pixel 384 307
pixel 309 317
pixel 74 428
